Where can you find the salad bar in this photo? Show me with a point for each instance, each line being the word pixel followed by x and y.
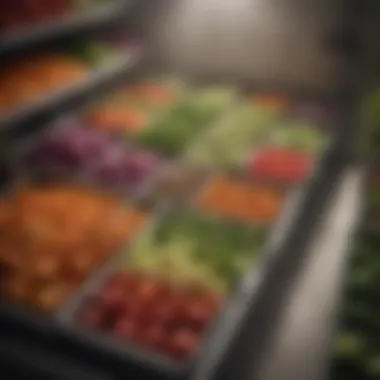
pixel 149 226
pixel 165 227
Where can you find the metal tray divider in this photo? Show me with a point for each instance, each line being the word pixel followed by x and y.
pixel 285 191
pixel 212 127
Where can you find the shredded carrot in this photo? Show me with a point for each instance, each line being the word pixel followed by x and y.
pixel 240 200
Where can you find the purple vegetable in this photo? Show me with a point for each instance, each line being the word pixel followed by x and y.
pixel 146 161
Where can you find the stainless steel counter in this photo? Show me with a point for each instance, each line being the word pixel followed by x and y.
pixel 301 348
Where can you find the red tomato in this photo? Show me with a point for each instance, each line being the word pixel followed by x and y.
pixel 281 165
pixel 113 298
pixel 124 328
pixel 155 336
pixel 183 343
pixel 147 290
pixel 198 314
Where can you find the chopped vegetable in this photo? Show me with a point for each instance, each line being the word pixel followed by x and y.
pixel 104 160
pixel 54 237
pixel 298 136
pixel 171 134
pixel 281 165
pixel 29 79
pixel 151 313
pixel 192 250
pixel 240 200
pixel 228 143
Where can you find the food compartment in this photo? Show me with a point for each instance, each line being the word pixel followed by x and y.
pixel 33 77
pixel 72 148
pixel 177 274
pixel 357 350
pixel 134 107
pixel 172 133
pixel 256 122
pixel 298 136
pixel 53 235
pixel 228 142
pixel 291 151
pixel 280 165
pixel 241 199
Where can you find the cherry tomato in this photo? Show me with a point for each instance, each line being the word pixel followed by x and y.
pixel 281 165
pixel 155 336
pixel 113 298
pixel 183 343
pixel 124 328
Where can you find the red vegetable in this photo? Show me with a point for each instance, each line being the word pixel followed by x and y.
pixel 124 328
pixel 281 165
pixel 183 343
pixel 151 313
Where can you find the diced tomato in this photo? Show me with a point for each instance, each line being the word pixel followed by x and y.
pixel 281 165
pixel 183 343
pixel 124 328
pixel 113 298
pixel 153 336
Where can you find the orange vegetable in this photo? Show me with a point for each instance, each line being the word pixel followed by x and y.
pixel 155 94
pixel 52 238
pixel 36 76
pixel 242 201
pixel 114 119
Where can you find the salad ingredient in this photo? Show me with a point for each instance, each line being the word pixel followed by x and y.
pixel 151 313
pixel 132 108
pixel 228 143
pixel 81 149
pixel 196 251
pixel 281 165
pixel 154 94
pixel 117 120
pixel 298 136
pixel 241 200
pixel 29 79
pixel 171 133
pixel 53 237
